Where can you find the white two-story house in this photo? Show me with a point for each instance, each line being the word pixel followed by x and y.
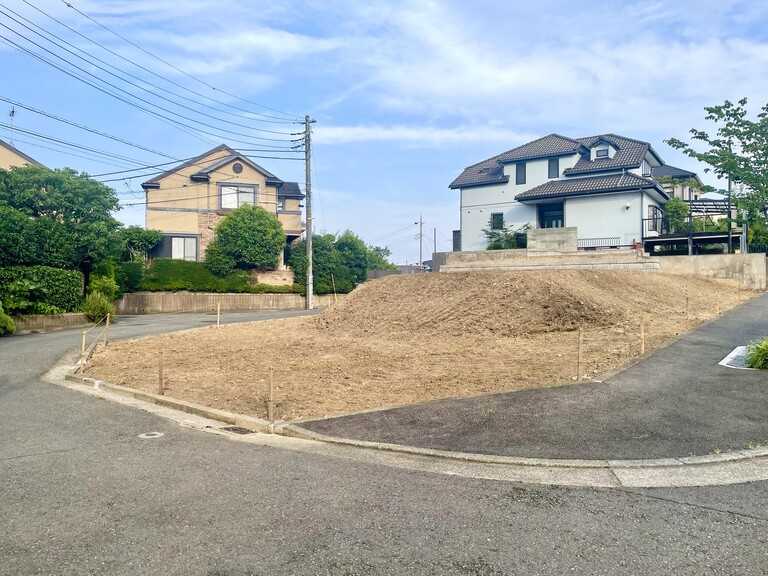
pixel 601 185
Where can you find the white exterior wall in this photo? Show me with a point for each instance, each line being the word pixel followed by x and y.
pixel 477 205
pixel 607 216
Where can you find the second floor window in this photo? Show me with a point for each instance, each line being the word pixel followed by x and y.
pixel 520 173
pixel 236 196
pixel 554 167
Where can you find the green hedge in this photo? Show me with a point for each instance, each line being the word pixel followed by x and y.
pixel 167 275
pixel 128 276
pixel 40 290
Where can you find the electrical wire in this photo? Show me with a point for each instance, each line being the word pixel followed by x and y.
pixel 145 101
pixel 137 86
pixel 249 113
pixel 286 114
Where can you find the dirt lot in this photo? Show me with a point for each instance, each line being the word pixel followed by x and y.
pixel 405 339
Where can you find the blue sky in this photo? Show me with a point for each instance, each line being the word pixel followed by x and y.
pixel 404 94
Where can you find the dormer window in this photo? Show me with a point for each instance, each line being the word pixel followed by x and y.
pixel 601 152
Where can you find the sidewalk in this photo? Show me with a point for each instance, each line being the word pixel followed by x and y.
pixel 676 402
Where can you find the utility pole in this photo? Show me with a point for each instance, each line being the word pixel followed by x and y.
pixel 421 236
pixel 434 241
pixel 308 202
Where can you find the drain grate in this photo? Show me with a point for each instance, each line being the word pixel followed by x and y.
pixel 238 430
pixel 736 359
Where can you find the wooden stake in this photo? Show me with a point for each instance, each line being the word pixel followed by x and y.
pixel 218 314
pixel 687 311
pixel 271 401
pixel 578 362
pixel 718 302
pixel 160 385
pixel 642 334
pixel 106 332
pixel 82 354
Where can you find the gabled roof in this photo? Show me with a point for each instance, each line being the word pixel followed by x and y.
pixel 491 171
pixel 630 154
pixel 28 159
pixel 203 175
pixel 586 186
pixel 673 172
pixel 290 190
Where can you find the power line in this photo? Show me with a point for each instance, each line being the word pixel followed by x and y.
pixel 286 114
pixel 250 113
pixel 140 99
pixel 143 88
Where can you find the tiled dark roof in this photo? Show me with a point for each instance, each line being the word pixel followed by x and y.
pixel 491 171
pixel 584 186
pixel 630 154
pixel 21 154
pixel 290 190
pixel 671 172
pixel 551 145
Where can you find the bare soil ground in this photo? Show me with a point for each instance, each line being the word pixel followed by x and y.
pixel 406 339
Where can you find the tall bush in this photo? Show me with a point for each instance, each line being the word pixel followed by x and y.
pixel 252 237
pixel 40 289
pixel 7 325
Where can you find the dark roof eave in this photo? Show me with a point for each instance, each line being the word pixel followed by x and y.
pixel 572 172
pixel 148 185
pixel 539 157
pixel 453 186
pixel 591 193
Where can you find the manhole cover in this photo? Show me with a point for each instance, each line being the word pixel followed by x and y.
pixel 151 435
pixel 237 430
pixel 736 359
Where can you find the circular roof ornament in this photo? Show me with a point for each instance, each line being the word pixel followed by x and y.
pixel 237 167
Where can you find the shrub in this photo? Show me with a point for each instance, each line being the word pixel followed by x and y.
pixel 757 355
pixel 103 285
pixel 96 306
pixel 128 276
pixel 7 326
pixel 40 289
pixel 252 237
pixel 218 262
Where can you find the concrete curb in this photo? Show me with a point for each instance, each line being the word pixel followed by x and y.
pixel 294 431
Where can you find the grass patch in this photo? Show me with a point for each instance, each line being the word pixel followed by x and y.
pixel 757 355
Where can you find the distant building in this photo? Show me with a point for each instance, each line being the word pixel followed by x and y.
pixel 186 202
pixel 11 156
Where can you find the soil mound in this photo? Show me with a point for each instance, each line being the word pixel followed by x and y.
pixel 510 303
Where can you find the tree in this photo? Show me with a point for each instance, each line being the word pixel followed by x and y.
pixel 676 211
pixel 353 254
pixel 738 150
pixel 507 238
pixel 138 242
pixel 378 258
pixel 69 222
pixel 252 237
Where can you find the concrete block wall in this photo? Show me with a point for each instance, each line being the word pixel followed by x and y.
pixel 171 302
pixel 749 270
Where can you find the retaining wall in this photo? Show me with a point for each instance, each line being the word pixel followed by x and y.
pixel 170 302
pixel 43 323
pixel 749 270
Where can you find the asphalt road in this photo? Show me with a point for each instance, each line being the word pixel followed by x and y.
pixel 676 402
pixel 81 493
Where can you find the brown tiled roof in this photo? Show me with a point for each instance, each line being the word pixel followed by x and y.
pixel 585 186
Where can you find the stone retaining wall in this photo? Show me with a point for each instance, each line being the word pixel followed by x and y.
pixel 44 323
pixel 171 302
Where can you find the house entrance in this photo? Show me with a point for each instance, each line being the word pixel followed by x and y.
pixel 551 215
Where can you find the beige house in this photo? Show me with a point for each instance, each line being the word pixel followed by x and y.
pixel 186 202
pixel 10 156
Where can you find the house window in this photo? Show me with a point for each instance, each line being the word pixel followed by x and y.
pixel 497 221
pixel 236 196
pixel 654 218
pixel 183 248
pixel 601 153
pixel 554 167
pixel 281 202
pixel 646 168
pixel 520 173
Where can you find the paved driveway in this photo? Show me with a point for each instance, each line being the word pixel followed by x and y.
pixel 676 402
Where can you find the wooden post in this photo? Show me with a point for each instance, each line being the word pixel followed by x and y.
pixel 718 302
pixel 82 353
pixel 687 311
pixel 333 283
pixel 579 356
pixel 106 332
pixel 642 334
pixel 271 401
pixel 218 314
pixel 160 385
